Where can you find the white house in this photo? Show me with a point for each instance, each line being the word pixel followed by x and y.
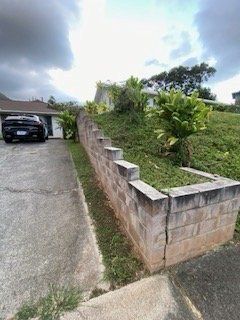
pixel 102 94
pixel 37 107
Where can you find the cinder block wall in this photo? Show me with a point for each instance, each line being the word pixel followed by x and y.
pixel 164 229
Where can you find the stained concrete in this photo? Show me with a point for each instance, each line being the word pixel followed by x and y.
pixel 153 298
pixel 212 282
pixel 45 234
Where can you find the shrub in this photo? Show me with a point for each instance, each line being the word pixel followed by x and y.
pixel 67 121
pixel 130 97
pixel 179 117
pixel 234 108
pixel 92 107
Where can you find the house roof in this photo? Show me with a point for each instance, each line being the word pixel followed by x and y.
pixel 35 107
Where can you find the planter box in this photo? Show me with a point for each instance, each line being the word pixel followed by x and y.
pixel 165 227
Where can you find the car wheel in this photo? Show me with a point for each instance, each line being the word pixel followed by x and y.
pixel 42 139
pixel 7 140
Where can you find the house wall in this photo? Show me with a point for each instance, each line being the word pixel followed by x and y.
pixel 57 131
pixel 164 228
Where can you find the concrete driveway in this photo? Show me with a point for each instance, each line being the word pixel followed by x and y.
pixel 45 233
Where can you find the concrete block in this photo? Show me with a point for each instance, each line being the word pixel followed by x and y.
pixel 182 233
pixel 104 142
pixel 228 219
pixel 113 153
pixel 153 201
pixel 127 170
pixel 183 198
pixel 210 193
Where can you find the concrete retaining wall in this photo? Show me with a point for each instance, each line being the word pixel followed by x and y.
pixel 164 228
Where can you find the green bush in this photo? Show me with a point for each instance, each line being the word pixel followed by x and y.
pixel 67 121
pixel 179 117
pixel 130 97
pixel 92 107
pixel 234 108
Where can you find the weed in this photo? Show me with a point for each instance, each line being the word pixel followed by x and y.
pixel 51 306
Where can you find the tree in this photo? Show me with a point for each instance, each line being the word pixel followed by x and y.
pixel 186 79
pixel 72 106
pixel 51 100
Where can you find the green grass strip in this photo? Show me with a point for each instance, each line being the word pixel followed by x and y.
pixel 122 266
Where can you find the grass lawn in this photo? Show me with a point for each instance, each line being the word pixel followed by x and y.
pixel 216 150
pixel 121 264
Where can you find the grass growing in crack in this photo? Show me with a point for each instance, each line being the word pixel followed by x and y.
pixel 121 265
pixel 51 307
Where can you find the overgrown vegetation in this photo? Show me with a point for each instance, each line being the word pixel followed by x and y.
pixel 67 121
pixel 129 98
pixel 51 307
pixel 141 146
pixel 122 266
pixel 215 150
pixel 92 107
pixel 178 117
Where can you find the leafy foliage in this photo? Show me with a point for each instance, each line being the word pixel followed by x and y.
pixel 130 97
pixel 92 107
pixel 67 121
pixel 180 117
pixel 185 79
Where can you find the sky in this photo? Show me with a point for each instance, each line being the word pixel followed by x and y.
pixel 63 47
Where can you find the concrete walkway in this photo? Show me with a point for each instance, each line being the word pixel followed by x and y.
pixel 153 298
pixel 45 234
pixel 205 288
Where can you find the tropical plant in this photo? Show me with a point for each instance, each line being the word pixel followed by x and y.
pixel 92 107
pixel 179 117
pixel 67 121
pixel 129 98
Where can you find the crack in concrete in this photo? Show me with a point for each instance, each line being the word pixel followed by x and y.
pixel 39 191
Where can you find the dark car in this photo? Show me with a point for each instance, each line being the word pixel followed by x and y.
pixel 24 127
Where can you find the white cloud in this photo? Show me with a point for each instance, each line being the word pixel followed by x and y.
pixel 112 44
pixel 113 47
pixel 224 89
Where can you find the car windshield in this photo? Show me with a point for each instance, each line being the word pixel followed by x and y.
pixel 22 117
